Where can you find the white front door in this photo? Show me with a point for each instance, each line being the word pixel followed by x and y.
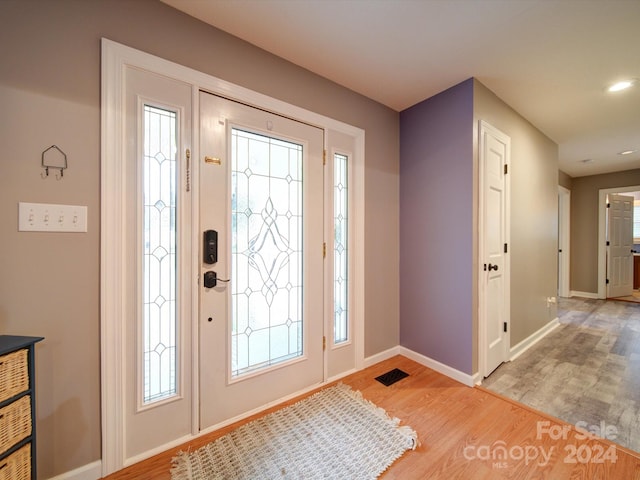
pixel 494 314
pixel 261 191
pixel 166 340
pixel 620 246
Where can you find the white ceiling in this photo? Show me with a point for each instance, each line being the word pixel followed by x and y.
pixel 551 60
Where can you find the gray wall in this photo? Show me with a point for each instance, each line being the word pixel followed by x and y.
pixel 436 227
pixel 534 214
pixel 50 94
pixel 584 225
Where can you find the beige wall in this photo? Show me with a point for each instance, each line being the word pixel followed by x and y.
pixel 534 214
pixel 564 180
pixel 50 94
pixel 584 225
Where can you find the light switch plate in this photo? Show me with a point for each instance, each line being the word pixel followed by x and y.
pixel 46 217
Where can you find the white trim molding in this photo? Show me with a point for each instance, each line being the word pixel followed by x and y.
pixel 446 370
pixel 564 222
pixel 116 58
pixel 91 471
pixel 532 339
pixel 602 235
pixel 457 375
pixel 576 293
pixel 382 356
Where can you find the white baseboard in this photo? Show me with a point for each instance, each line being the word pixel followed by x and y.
pixel 531 340
pixel 575 293
pixel 439 367
pixel 380 357
pixel 465 378
pixel 92 471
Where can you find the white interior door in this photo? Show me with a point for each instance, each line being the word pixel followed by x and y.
pixel 620 243
pixel 564 219
pixel 494 313
pixel 261 190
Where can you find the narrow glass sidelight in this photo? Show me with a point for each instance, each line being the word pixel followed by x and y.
pixel 266 252
pixel 159 272
pixel 340 249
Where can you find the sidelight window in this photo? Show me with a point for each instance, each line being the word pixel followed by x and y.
pixel 159 270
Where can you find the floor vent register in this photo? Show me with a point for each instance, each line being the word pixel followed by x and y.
pixel 392 377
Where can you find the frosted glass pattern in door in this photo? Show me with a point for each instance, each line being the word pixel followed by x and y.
pixel 266 251
pixel 159 253
pixel 340 250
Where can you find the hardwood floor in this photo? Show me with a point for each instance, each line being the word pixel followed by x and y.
pixel 462 432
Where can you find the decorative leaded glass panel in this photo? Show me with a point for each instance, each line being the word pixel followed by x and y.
pixel 159 253
pixel 266 251
pixel 340 250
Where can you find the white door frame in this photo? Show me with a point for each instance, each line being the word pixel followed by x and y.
pixel 602 235
pixel 564 228
pixel 115 57
pixel 482 320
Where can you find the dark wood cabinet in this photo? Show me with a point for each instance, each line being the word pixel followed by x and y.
pixel 636 272
pixel 17 408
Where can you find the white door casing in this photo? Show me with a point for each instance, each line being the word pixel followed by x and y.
pixel 564 229
pixel 144 424
pixel 619 245
pixel 602 237
pixel 493 151
pixel 117 59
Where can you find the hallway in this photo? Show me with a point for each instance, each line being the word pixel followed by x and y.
pixel 585 372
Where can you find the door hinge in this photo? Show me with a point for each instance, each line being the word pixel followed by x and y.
pixel 505 326
pixel 188 171
pixel 607 281
pixel 324 157
pixel 506 168
pixel 324 249
pixel 505 248
pixel 608 205
pixel 608 243
pixel 324 343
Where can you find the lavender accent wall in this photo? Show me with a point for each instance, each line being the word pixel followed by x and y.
pixel 436 227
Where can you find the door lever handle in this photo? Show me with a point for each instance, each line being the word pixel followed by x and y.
pixel 211 279
pixel 493 267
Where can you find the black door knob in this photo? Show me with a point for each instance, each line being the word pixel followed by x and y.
pixel 493 267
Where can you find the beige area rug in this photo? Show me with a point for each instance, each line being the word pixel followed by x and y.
pixel 333 434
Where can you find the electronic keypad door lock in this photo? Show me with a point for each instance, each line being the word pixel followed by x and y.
pixel 210 247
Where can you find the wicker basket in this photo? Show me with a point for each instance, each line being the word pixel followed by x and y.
pixel 17 466
pixel 14 374
pixel 15 422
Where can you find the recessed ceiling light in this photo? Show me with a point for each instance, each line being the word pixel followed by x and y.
pixel 624 84
pixel 627 152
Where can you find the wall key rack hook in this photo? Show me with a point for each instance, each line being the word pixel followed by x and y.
pixel 54 157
